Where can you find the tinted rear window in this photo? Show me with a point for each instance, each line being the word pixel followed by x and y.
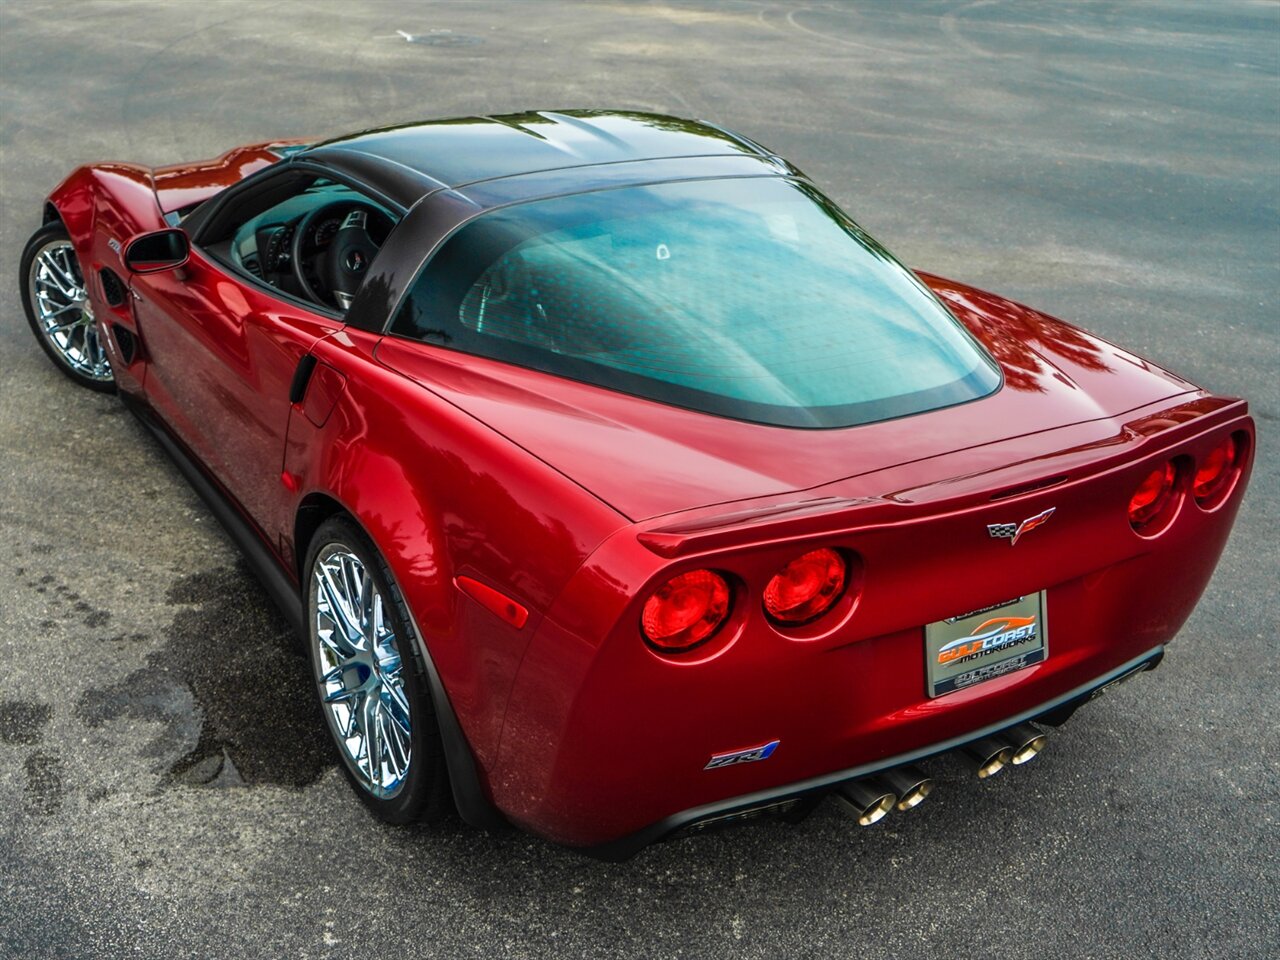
pixel 752 298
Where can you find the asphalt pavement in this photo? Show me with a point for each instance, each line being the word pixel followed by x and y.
pixel 165 789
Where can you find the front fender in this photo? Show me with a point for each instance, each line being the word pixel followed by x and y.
pixel 102 207
pixel 106 202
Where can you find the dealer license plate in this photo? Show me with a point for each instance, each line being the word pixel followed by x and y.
pixel 985 644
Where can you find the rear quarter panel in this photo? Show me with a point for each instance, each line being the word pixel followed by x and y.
pixel 442 495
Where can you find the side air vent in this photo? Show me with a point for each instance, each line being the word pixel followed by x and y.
pixel 253 266
pixel 126 341
pixel 112 287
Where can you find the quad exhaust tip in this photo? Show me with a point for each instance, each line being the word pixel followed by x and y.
pixel 1016 745
pixel 991 755
pixel 869 801
pixel 1026 742
pixel 910 784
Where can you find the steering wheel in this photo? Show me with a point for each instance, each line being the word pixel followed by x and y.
pixel 340 265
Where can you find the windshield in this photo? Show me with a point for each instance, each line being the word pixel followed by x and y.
pixel 752 298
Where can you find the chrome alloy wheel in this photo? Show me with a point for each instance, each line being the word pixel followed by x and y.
pixel 359 672
pixel 63 314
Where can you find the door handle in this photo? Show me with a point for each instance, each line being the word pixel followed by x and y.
pixel 301 377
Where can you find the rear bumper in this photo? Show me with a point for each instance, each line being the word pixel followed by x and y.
pixel 750 805
pixel 606 743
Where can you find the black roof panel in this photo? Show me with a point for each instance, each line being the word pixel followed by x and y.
pixel 469 149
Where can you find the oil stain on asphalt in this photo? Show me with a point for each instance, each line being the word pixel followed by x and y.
pixel 22 721
pixel 44 784
pixel 231 677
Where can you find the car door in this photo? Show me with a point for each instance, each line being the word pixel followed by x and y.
pixel 223 347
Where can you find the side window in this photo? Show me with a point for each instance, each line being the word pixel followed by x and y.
pixel 307 236
pixel 555 292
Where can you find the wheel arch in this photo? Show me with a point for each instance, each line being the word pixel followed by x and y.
pixel 469 796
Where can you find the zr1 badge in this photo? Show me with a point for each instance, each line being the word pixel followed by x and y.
pixel 750 755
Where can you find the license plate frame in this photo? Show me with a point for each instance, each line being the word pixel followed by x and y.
pixel 963 651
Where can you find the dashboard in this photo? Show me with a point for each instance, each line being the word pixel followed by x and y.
pixel 265 245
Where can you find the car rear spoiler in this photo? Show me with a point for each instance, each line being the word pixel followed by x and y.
pixel 1086 449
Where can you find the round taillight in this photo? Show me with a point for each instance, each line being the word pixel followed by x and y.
pixel 685 610
pixel 1215 469
pixel 1152 494
pixel 806 587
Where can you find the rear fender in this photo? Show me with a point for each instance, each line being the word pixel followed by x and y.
pixel 442 496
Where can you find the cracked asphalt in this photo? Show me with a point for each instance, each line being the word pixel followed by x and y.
pixel 165 790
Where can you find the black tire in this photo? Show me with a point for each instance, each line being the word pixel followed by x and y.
pixel 51 232
pixel 424 794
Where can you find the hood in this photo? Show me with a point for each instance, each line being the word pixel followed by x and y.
pixel 647 459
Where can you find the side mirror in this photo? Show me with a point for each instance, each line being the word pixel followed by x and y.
pixel 157 251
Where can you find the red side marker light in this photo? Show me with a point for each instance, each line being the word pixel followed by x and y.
pixel 1215 469
pixel 493 601
pixel 1152 494
pixel 806 587
pixel 686 610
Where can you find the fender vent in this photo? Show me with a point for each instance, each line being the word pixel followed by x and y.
pixel 112 287
pixel 126 341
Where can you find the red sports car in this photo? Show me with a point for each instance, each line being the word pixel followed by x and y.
pixel 620 484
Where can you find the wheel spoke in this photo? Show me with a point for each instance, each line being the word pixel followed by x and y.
pixel 338 606
pixel 353 593
pixel 373 740
pixel 350 729
pixel 97 352
pixel 52 309
pixel 370 609
pixel 397 750
pixel 60 327
pixel 334 637
pixel 65 284
pixel 70 269
pixel 71 339
pixel 397 707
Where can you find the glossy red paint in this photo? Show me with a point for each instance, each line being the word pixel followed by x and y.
pixel 1055 375
pixel 222 354
pixel 185 184
pixel 496 602
pixel 575 503
pixel 490 512
pixel 103 207
pixel 1112 596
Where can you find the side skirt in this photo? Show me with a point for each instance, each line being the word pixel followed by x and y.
pixel 282 590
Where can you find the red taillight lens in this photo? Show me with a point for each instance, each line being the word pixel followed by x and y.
pixel 1152 494
pixel 806 587
pixel 685 610
pixel 1215 469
